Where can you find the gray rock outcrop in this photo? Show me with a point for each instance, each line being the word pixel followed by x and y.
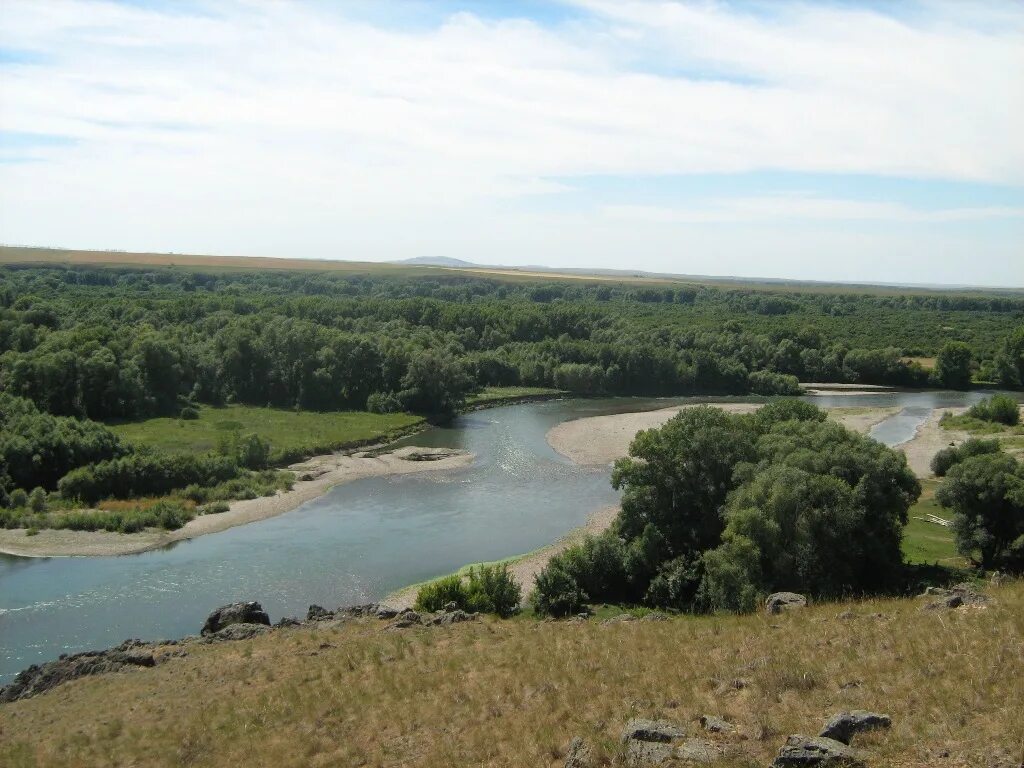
pixel 844 725
pixel 235 613
pixel 784 601
pixel 579 754
pixel 954 597
pixel 40 678
pixel 651 742
pixel 806 751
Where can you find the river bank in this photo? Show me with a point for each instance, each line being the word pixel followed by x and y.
pixel 322 473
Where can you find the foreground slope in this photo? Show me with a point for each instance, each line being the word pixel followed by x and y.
pixel 513 693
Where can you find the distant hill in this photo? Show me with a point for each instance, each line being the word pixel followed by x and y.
pixel 439 261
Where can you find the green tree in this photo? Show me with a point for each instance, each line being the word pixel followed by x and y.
pixel 953 365
pixel 986 494
pixel 435 382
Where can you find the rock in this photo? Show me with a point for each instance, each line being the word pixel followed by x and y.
pixel 235 613
pixel 817 751
pixel 696 751
pixel 641 729
pixel 650 742
pixel 288 621
pixel 40 678
pixel 655 616
pixel 579 754
pixel 954 597
pixel 456 616
pixel 407 618
pixel 997 579
pixel 318 613
pixel 622 617
pixel 844 725
pixel 784 601
pixel 713 724
pixel 358 611
pixel 384 612
pixel 238 632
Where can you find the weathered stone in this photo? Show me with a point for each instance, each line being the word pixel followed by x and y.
pixel 40 678
pixel 662 731
pixel 238 632
pixel 803 751
pixel 844 725
pixel 713 724
pixel 288 621
pixel 318 613
pixel 235 613
pixel 579 754
pixel 697 751
pixel 407 618
pixel 784 601
pixel 655 616
pixel 648 752
pixel 384 612
pixel 622 617
pixel 456 616
pixel 954 597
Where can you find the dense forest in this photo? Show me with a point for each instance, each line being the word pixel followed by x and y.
pixel 102 343
pixel 80 345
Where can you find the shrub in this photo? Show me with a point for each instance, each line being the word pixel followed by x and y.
pixel 1001 409
pixel 19 499
pixel 37 500
pixel 556 593
pixel 214 508
pixel 435 595
pixel 188 413
pixel 945 459
pixel 769 383
pixel 491 589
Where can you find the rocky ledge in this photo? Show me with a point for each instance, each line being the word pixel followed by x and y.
pixel 237 621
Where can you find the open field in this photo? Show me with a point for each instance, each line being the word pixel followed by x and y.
pixel 289 431
pixel 497 395
pixel 58 256
pixel 514 693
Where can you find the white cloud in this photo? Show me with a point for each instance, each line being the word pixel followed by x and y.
pixel 278 127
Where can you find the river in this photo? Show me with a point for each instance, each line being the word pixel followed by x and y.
pixel 357 543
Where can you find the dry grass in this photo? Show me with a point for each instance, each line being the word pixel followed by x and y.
pixel 514 693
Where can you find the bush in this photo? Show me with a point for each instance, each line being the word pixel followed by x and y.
pixel 383 402
pixel 435 595
pixel 145 475
pixel 556 593
pixel 19 499
pixel 188 413
pixel 945 459
pixel 37 500
pixel 768 383
pixel 214 508
pixel 1001 409
pixel 487 589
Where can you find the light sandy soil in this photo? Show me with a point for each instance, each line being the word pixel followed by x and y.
pixel 929 439
pixel 600 440
pixel 323 472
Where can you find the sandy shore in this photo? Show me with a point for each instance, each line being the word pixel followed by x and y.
pixel 600 440
pixel 323 472
pixel 524 569
pixel 928 440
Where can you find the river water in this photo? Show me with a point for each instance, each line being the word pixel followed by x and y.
pixel 357 543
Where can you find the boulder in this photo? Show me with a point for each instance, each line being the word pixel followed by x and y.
pixel 650 742
pixel 384 612
pixel 844 725
pixel 235 613
pixel 445 618
pixel 817 751
pixel 407 618
pixel 579 754
pixel 784 601
pixel 713 724
pixel 288 621
pixel 954 597
pixel 238 632
pixel 318 613
pixel 40 678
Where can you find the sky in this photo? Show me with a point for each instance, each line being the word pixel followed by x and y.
pixel 844 141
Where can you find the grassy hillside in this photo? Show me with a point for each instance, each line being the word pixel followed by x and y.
pixel 514 693
pixel 289 431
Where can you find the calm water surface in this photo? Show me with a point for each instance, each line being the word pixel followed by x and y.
pixel 356 544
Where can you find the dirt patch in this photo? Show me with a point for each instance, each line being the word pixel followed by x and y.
pixel 929 439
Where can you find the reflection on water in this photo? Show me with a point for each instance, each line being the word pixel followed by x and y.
pixel 357 543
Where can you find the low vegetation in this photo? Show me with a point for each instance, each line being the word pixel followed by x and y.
pixel 484 589
pixel 515 693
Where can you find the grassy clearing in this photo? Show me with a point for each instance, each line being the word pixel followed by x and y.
pixel 493 395
pixel 289 432
pixel 927 543
pixel 513 693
